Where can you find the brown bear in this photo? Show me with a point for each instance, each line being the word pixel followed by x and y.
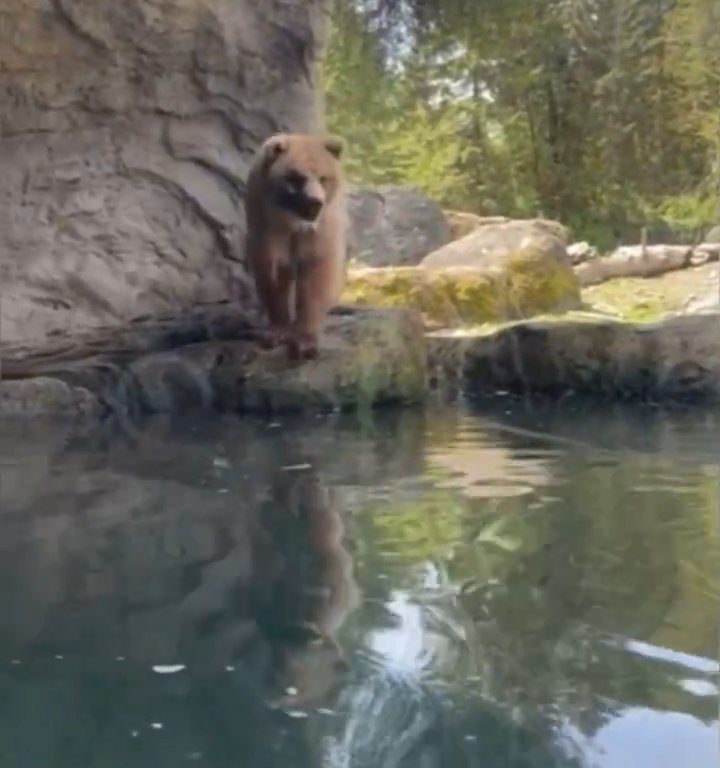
pixel 296 231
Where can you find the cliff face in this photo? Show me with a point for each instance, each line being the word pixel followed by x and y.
pixel 126 132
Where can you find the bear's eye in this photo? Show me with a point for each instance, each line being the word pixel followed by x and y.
pixel 295 180
pixel 324 179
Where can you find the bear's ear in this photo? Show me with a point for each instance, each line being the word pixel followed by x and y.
pixel 273 147
pixel 335 146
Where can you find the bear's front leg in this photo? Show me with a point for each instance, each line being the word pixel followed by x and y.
pixel 316 291
pixel 275 281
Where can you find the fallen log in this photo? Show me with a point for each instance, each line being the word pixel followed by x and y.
pixel 645 261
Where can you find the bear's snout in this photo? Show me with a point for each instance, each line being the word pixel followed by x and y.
pixel 311 208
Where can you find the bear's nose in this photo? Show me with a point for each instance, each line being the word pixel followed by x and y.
pixel 313 206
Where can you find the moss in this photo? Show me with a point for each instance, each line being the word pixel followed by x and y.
pixel 389 360
pixel 400 287
pixel 649 299
pixel 475 296
pixel 534 285
pixel 372 357
pixel 529 284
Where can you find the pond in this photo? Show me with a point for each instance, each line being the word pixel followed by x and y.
pixel 527 585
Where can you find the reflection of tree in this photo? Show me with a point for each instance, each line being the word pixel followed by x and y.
pixel 622 550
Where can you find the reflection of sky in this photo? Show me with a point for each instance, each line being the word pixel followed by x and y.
pixel 637 738
pixel 404 646
pixel 642 738
pixel 696 663
pixel 415 646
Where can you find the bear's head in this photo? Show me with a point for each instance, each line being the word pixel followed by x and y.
pixel 303 173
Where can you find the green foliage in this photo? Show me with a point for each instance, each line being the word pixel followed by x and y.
pixel 603 114
pixel 692 212
pixel 425 152
pixel 393 134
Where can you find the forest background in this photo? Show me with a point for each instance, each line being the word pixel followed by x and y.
pixel 602 114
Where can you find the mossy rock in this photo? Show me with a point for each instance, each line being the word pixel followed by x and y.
pixel 367 358
pixel 677 358
pixel 526 284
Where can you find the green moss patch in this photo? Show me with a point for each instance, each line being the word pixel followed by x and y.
pixel 526 285
pixel 643 300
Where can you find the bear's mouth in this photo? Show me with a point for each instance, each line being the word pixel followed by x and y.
pixel 303 207
pixel 303 225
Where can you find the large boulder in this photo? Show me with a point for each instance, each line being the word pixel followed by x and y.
pixel 489 246
pixel 369 358
pixel 527 284
pixel 394 226
pixel 502 270
pixel 125 136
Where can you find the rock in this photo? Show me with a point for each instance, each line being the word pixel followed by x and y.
pixel 708 301
pixel 581 252
pixel 394 226
pixel 489 246
pixel 676 359
pixel 125 137
pixel 501 270
pixel 45 396
pixel 713 236
pixel 368 358
pixel 143 335
pixel 462 223
pixel 523 286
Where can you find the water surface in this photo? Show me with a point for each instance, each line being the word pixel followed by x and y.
pixel 533 587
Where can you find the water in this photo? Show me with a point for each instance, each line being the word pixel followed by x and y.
pixel 537 587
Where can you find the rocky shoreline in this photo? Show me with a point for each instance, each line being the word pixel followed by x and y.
pixel 377 357
pixel 369 357
pixel 498 310
pixel 676 359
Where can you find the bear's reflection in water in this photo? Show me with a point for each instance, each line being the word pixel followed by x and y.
pixel 272 604
pixel 303 586
pixel 153 608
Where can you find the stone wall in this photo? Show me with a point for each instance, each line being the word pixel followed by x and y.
pixel 125 137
